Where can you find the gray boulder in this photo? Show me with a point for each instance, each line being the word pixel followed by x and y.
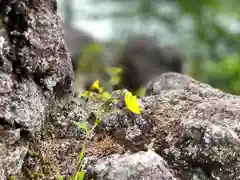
pixel 139 166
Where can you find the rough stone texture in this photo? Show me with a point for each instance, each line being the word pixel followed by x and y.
pixel 50 156
pixel 201 123
pixel 179 82
pixel 35 72
pixel 192 128
pixel 57 124
pixel 11 158
pixel 140 166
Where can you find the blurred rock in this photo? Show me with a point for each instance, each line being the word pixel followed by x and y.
pixel 143 59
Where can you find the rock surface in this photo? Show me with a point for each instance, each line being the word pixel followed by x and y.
pixel 139 166
pixel 186 130
pixel 35 73
pixel 193 126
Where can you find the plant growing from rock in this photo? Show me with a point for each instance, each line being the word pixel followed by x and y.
pixel 98 93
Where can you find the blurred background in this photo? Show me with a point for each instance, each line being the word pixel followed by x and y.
pixel 206 32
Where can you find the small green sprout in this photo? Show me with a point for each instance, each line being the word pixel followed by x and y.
pixel 131 102
pixel 114 73
pixel 79 175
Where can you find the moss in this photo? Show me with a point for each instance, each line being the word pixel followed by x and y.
pixel 27 172
pixel 32 153
pixel 11 178
pixel 33 175
pixel 46 169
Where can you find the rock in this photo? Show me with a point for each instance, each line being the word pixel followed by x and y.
pixel 23 106
pixel 188 129
pixel 12 158
pixel 178 82
pixel 193 126
pixel 59 123
pixel 142 59
pixel 35 73
pixel 139 166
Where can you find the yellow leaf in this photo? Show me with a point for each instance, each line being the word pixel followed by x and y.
pixel 95 85
pixel 132 103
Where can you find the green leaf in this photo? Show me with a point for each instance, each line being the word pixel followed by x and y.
pixel 82 125
pixel 80 157
pixel 89 59
pixel 105 95
pixel 115 80
pixel 113 70
pixel 97 121
pixel 60 177
pixel 79 175
pixel 141 92
pixel 85 94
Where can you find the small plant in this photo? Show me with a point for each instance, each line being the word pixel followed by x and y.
pixel 114 73
pixel 131 104
pixel 91 95
pixel 141 92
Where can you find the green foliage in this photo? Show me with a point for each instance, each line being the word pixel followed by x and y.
pixel 90 61
pixel 196 69
pixel 60 177
pixel 223 74
pixel 114 74
pixel 141 92
pixel 90 58
pixel 195 7
pixel 82 125
pixel 90 95
pixel 99 113
pixel 11 178
pixel 79 175
pixel 209 28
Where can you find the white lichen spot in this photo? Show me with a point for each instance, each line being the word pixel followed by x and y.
pixel 2 40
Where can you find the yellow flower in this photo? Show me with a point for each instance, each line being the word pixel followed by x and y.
pixel 95 85
pixel 132 103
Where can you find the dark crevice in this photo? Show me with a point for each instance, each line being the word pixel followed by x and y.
pixel 14 19
pixel 25 134
pixel 7 125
